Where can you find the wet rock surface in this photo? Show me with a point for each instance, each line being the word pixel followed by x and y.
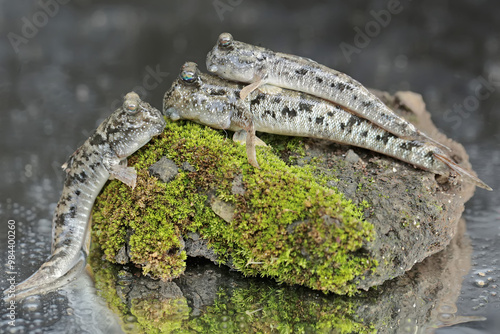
pixel 198 247
pixel 165 169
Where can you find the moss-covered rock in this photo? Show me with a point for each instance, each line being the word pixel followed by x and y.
pixel 307 217
pixel 287 224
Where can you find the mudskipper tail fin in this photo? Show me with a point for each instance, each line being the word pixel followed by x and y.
pixel 45 279
pixel 465 174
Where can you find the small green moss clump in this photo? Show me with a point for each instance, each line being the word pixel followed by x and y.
pixel 160 315
pixel 287 224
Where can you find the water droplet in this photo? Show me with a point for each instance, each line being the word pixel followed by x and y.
pixel 446 317
pixel 32 303
pixel 481 283
pixel 38 322
pixel 447 308
pixel 130 319
pixel 36 315
pixel 241 317
pixel 40 244
pixel 60 300
pixel 130 328
pixel 85 312
pixel 16 329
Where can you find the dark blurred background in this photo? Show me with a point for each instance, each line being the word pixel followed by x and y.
pixel 65 65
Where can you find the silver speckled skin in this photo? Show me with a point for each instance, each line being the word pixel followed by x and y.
pixel 213 101
pixel 102 156
pixel 238 61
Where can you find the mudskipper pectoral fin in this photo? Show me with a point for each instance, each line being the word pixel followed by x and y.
pixel 243 137
pixel 270 89
pixel 127 175
pixel 243 119
pixel 250 88
pixel 240 137
pixel 250 146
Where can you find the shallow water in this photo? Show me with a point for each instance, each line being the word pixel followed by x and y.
pixel 61 78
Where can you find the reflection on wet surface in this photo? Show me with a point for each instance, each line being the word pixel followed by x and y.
pixel 208 297
pixel 70 73
pixel 211 299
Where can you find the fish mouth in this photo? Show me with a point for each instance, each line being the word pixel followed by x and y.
pixel 157 122
pixel 172 113
pixel 212 68
pixel 161 124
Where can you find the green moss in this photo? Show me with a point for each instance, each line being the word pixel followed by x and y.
pixel 258 309
pixel 286 147
pixel 439 207
pixel 160 315
pixel 105 280
pixel 293 229
pixel 288 224
pixel 250 308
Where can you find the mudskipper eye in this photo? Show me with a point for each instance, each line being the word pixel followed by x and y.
pixel 131 103
pixel 188 76
pixel 189 72
pixel 132 107
pixel 225 40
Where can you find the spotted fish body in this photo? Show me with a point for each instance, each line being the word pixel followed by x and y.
pixel 102 156
pixel 210 100
pixel 238 61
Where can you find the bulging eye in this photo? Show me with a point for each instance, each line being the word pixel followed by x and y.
pixel 225 40
pixel 132 107
pixel 189 72
pixel 131 103
pixel 188 76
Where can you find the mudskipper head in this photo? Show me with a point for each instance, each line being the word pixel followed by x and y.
pixel 201 98
pixel 234 60
pixel 132 125
pixel 181 100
